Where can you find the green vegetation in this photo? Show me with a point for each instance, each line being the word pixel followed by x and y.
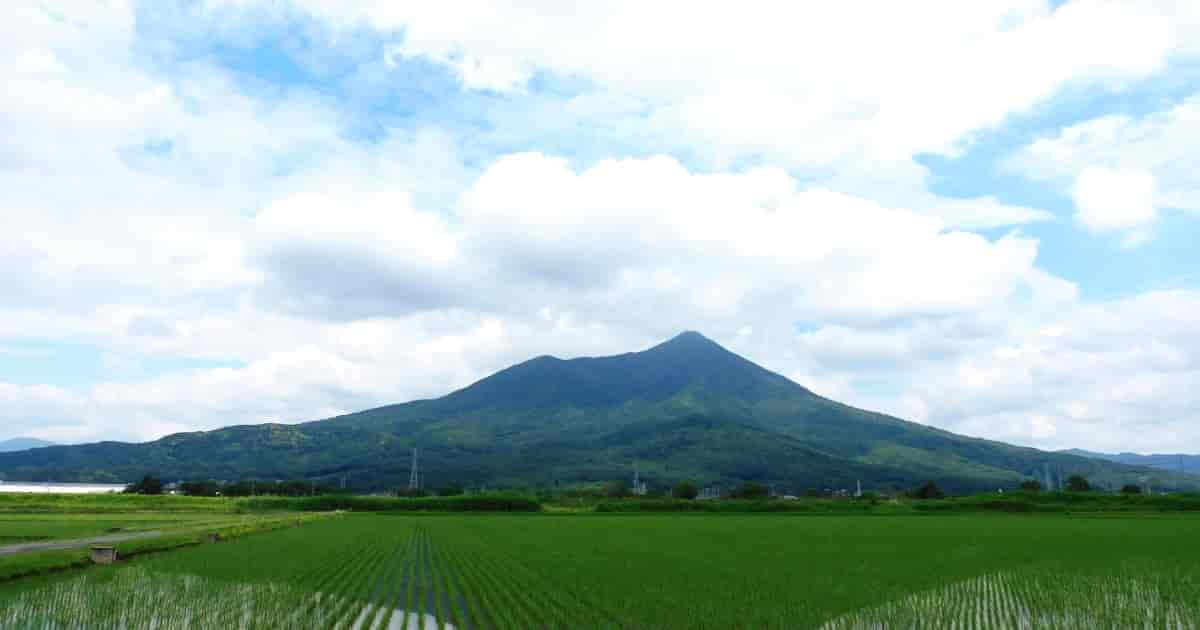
pixel 22 528
pixel 685 490
pixel 1047 502
pixel 458 503
pixel 181 534
pixel 109 503
pixel 148 485
pixel 1127 597
pixel 1078 483
pixel 685 410
pixel 751 571
pixel 928 490
pixel 165 521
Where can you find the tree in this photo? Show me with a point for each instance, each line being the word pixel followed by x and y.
pixel 751 490
pixel 1078 483
pixel 412 493
pixel 616 489
pixel 200 488
pixel 1130 488
pixel 928 490
pixel 148 485
pixel 451 490
pixel 1031 485
pixel 685 490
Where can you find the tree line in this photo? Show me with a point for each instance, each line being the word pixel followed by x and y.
pixel 150 484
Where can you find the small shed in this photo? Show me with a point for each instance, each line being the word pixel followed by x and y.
pixel 104 555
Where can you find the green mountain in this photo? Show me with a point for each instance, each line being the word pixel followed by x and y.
pixel 1171 462
pixel 22 444
pixel 685 409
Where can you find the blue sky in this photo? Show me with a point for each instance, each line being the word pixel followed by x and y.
pixel 978 217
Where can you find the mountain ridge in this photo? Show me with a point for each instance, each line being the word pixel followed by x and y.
pixel 22 444
pixel 1173 462
pixel 686 408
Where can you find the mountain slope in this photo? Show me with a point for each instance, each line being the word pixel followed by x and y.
pixel 684 409
pixel 22 444
pixel 1170 462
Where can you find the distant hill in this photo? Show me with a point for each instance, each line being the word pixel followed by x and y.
pixel 684 409
pixel 1168 462
pixel 21 444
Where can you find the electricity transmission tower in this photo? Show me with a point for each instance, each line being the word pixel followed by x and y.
pixel 639 488
pixel 414 477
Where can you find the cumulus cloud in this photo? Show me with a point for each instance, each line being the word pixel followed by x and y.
pixel 1118 375
pixel 767 194
pixel 357 256
pixel 1119 169
pixel 847 92
pixel 1108 200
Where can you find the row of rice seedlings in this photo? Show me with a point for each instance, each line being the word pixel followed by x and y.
pixel 457 599
pixel 537 595
pixel 428 599
pixel 136 598
pixel 323 587
pixel 553 604
pixel 379 602
pixel 409 603
pixel 496 605
pixel 529 596
pixel 483 607
pixel 391 597
pixel 347 600
pixel 325 590
pixel 1126 598
pixel 445 611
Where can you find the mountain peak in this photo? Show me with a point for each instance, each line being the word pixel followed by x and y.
pixel 689 336
pixel 688 361
pixel 691 341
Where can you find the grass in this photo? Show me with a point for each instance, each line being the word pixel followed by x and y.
pixel 30 503
pixel 653 571
pixel 181 534
pixel 497 502
pixel 43 526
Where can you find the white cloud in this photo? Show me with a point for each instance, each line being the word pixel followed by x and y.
pixel 852 90
pixel 1109 376
pixel 174 214
pixel 391 302
pixel 1110 201
pixel 1120 170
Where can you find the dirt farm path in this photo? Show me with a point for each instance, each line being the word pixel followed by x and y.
pixel 75 543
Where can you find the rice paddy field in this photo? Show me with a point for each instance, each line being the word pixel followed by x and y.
pixel 647 571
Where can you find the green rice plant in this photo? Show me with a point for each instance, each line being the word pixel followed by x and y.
pixel 1127 597
pixel 370 572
